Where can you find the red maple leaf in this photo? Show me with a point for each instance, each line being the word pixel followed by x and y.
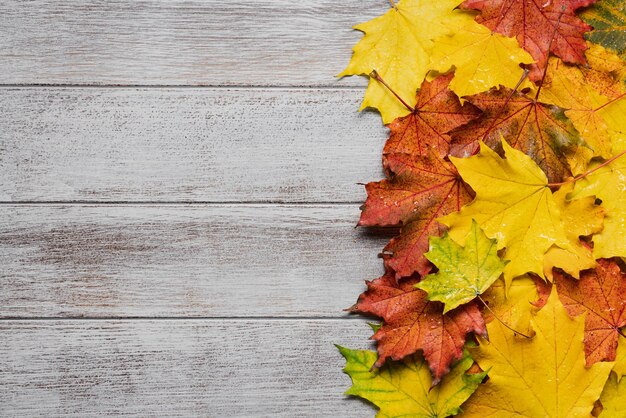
pixel 422 189
pixel 540 27
pixel 413 323
pixel 601 292
pixel 542 131
pixel 437 112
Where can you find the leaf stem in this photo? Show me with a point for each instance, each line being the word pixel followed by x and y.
pixel 500 320
pixel 593 170
pixel 374 74
pixel 393 4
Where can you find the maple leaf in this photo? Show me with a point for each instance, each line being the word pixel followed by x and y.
pixel 515 306
pixel 397 45
pixel 437 112
pixel 513 205
pixel 423 189
pixel 608 18
pixel 464 272
pixel 413 323
pixel 405 389
pixel 607 183
pixel 482 59
pixel 539 130
pixel 613 398
pixel 540 377
pixel 601 293
pixel 540 26
pixel 581 217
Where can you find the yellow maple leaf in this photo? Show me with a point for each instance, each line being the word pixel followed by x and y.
pixel 482 59
pixel 513 204
pixel 540 377
pixel 581 217
pixel 397 45
pixel 608 184
pixel 613 398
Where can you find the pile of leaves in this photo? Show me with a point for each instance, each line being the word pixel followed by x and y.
pixel 504 292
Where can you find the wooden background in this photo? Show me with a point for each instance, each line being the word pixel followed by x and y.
pixel 179 189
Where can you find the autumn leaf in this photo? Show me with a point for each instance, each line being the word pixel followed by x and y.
pixel 613 398
pixel 423 189
pixel 412 323
pixel 397 45
pixel 437 112
pixel 515 306
pixel 464 272
pixel 581 218
pixel 608 18
pixel 601 293
pixel 405 389
pixel 539 130
pixel 540 377
pixel 513 205
pixel 481 59
pixel 540 26
pixel 607 183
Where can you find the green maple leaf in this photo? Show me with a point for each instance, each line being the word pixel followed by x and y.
pixel 464 272
pixel 405 388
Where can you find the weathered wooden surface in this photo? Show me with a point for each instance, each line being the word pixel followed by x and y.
pixel 209 145
pixel 148 263
pixel 183 260
pixel 210 368
pixel 209 42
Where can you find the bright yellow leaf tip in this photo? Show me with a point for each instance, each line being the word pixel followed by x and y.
pixel 482 59
pixel 540 377
pixel 397 45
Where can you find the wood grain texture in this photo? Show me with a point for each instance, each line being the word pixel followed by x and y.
pixel 234 368
pixel 181 144
pixel 169 42
pixel 183 260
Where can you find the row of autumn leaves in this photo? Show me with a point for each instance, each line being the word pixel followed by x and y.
pixel 517 190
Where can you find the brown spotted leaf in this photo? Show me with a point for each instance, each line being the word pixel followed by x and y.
pixel 541 131
pixel 601 293
pixel 437 112
pixel 422 189
pixel 535 23
pixel 413 323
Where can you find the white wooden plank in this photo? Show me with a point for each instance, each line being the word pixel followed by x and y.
pixel 202 42
pixel 183 260
pixel 209 368
pixel 181 144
